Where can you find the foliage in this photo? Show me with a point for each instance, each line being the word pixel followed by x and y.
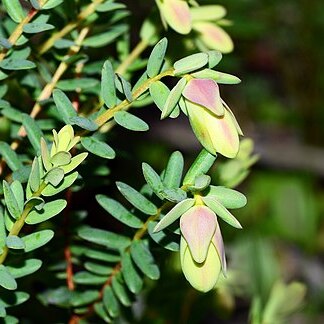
pixel 68 78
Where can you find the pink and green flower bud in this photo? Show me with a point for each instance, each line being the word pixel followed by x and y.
pixel 176 14
pixel 216 134
pixel 205 92
pixel 214 37
pixel 198 226
pixel 202 276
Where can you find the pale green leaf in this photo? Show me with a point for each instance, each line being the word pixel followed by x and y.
pixel 190 63
pixel 37 239
pixel 97 147
pixel 156 58
pixel 129 121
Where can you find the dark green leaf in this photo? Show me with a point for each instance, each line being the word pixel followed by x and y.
pixel 18 191
pixel 52 4
pixel 109 6
pixel 144 260
pixel 129 121
pixel 136 199
pixel 84 298
pixel 101 255
pixel 16 64
pixel 35 27
pixel 131 277
pixel 101 312
pixel 108 239
pixel 169 241
pixel 173 195
pixel 33 131
pixel 120 291
pixel 37 239
pixel 108 88
pixel 97 147
pixel 79 83
pixel 173 172
pixel 48 211
pixel 84 123
pixel 110 302
pixel 86 278
pixel 156 58
pixel 152 178
pixel 10 200
pixel 98 269
pixel 35 177
pixel 10 156
pixel 64 105
pixel 124 87
pixel 118 211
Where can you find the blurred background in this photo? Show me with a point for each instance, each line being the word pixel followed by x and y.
pixel 278 55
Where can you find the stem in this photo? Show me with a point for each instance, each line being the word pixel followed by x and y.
pixel 19 223
pixel 124 105
pixel 136 52
pixel 18 31
pixel 85 13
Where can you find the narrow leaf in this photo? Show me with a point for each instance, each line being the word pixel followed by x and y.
pixel 120 291
pixel 190 63
pixel 97 147
pixel 64 105
pixel 16 64
pixel 36 27
pixel 110 302
pixel 144 260
pixel 173 172
pixel 133 281
pixel 108 89
pixel 168 240
pixel 33 131
pixel 137 199
pixel 131 122
pixel 34 178
pixel 10 156
pixel 152 178
pixel 7 281
pixel 14 10
pixel 84 123
pixel 118 211
pixel 229 198
pixel 37 239
pixel 10 200
pixel 156 58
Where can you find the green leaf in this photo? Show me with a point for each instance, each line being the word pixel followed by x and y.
pixel 86 278
pixel 118 211
pixel 108 239
pixel 99 269
pixel 110 302
pixel 103 39
pixel 33 131
pixel 24 268
pixel 101 255
pixel 109 6
pixel 156 58
pixel 133 281
pixel 50 190
pixel 144 259
pixel 35 4
pixel 201 182
pixel 36 202
pixel 97 147
pixel 12 114
pixel 221 211
pixel 18 191
pixel 169 241
pixel 45 155
pixel 84 123
pixel 173 98
pixel 14 10
pixel 16 64
pixel 176 212
pixel 10 156
pixel 173 194
pixel 201 165
pixel 48 211
pixel 84 298
pixel 51 4
pixel 173 172
pixel 129 121
pixel 37 239
pixel 137 199
pixel 54 176
pixel 10 200
pixel 214 57
pixel 219 77
pixel 61 158
pixel 13 298
pixel 120 291
pixel 75 162
pixel 190 63
pixel 34 178
pixel 7 281
pixel 152 178
pixel 3 233
pixel 64 105
pixel 15 242
pixel 78 83
pixel 229 198
pixel 36 27
pixel 160 92
pixel 101 312
pixel 3 312
pixel 108 88
pixel 124 87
